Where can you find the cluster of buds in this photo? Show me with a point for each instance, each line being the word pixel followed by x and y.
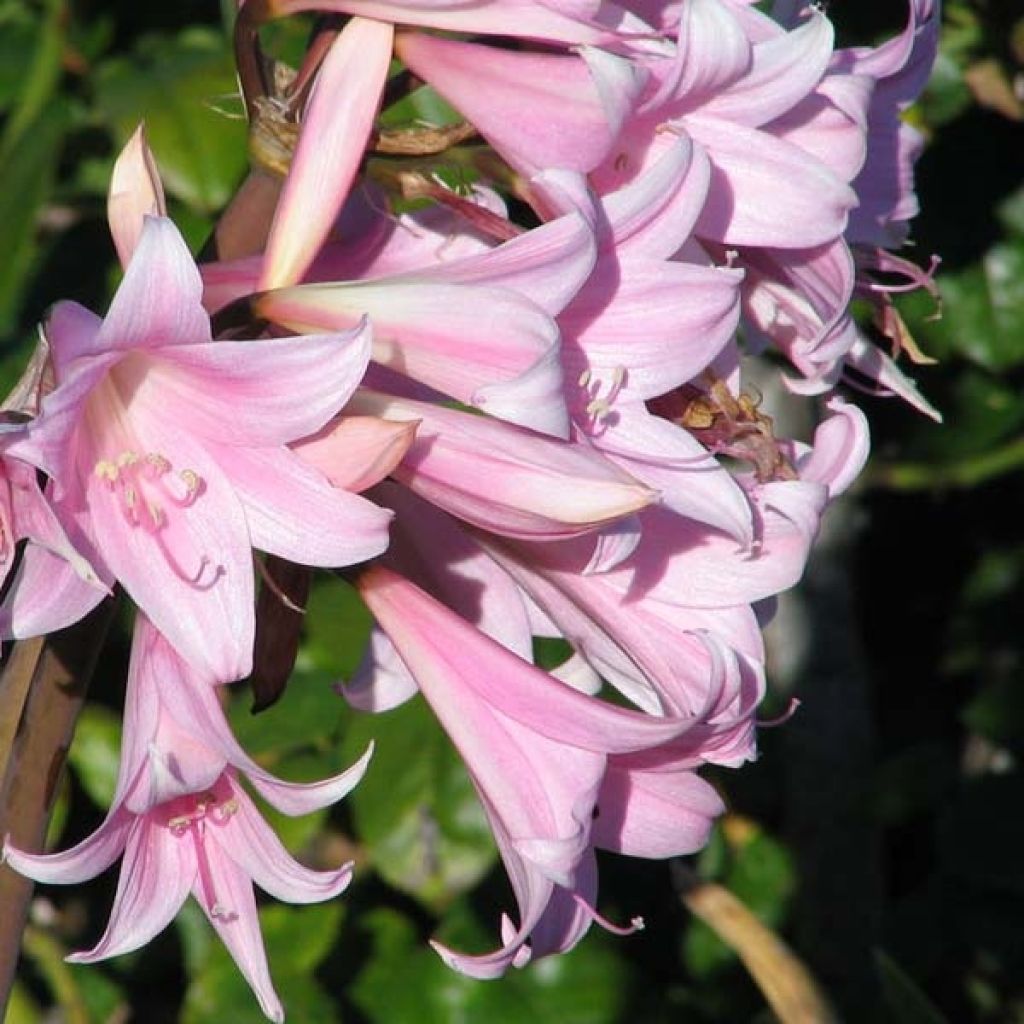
pixel 505 410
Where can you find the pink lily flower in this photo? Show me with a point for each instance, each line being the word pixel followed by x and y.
pixel 536 750
pixel 168 455
pixel 184 824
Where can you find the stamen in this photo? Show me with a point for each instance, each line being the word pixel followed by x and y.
pixel 144 489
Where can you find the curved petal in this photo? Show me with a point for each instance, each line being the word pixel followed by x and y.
pixel 537 110
pixel 91 857
pixel 689 480
pixel 159 302
pixel 292 511
pixel 185 560
pixel 46 595
pixel 356 452
pixel 663 322
pixel 156 875
pixel 655 213
pixel 335 127
pixel 135 192
pixel 224 891
pixel 245 392
pixel 783 71
pixel 588 21
pixel 654 814
pixel 250 843
pixel 767 192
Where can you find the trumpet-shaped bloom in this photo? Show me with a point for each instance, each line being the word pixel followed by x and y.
pixel 184 824
pixel 168 454
pixel 536 750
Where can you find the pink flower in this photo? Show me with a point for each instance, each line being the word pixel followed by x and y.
pixel 537 752
pixel 169 461
pixel 184 824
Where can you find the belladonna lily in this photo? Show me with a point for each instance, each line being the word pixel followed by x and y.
pixel 537 752
pixel 169 459
pixel 185 824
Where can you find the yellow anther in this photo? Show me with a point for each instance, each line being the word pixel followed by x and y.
pixel 105 470
pixel 127 458
pixel 158 462
pixel 130 497
pixel 190 479
pixel 584 378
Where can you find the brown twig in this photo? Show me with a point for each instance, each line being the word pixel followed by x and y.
pixel 48 678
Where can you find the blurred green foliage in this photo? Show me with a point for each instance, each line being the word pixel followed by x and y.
pixel 939 589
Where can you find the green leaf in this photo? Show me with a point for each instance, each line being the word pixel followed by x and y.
pixel 178 85
pixel 947 95
pixel 904 1001
pixel 337 627
pixel 95 753
pixel 585 986
pixel 28 173
pixel 983 310
pixel 760 872
pixel 38 77
pixel 21 1009
pixel 416 808
pixel 422 106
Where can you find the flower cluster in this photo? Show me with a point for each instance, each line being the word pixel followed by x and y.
pixel 515 408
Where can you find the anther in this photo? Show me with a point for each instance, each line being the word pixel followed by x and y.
pixel 191 481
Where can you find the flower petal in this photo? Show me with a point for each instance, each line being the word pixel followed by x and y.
pixel 337 122
pixel 91 857
pixel 244 392
pixel 159 302
pixel 250 843
pixel 156 875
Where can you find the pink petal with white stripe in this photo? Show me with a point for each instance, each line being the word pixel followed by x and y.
pixel 337 122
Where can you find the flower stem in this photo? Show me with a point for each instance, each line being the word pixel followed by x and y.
pixel 42 690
